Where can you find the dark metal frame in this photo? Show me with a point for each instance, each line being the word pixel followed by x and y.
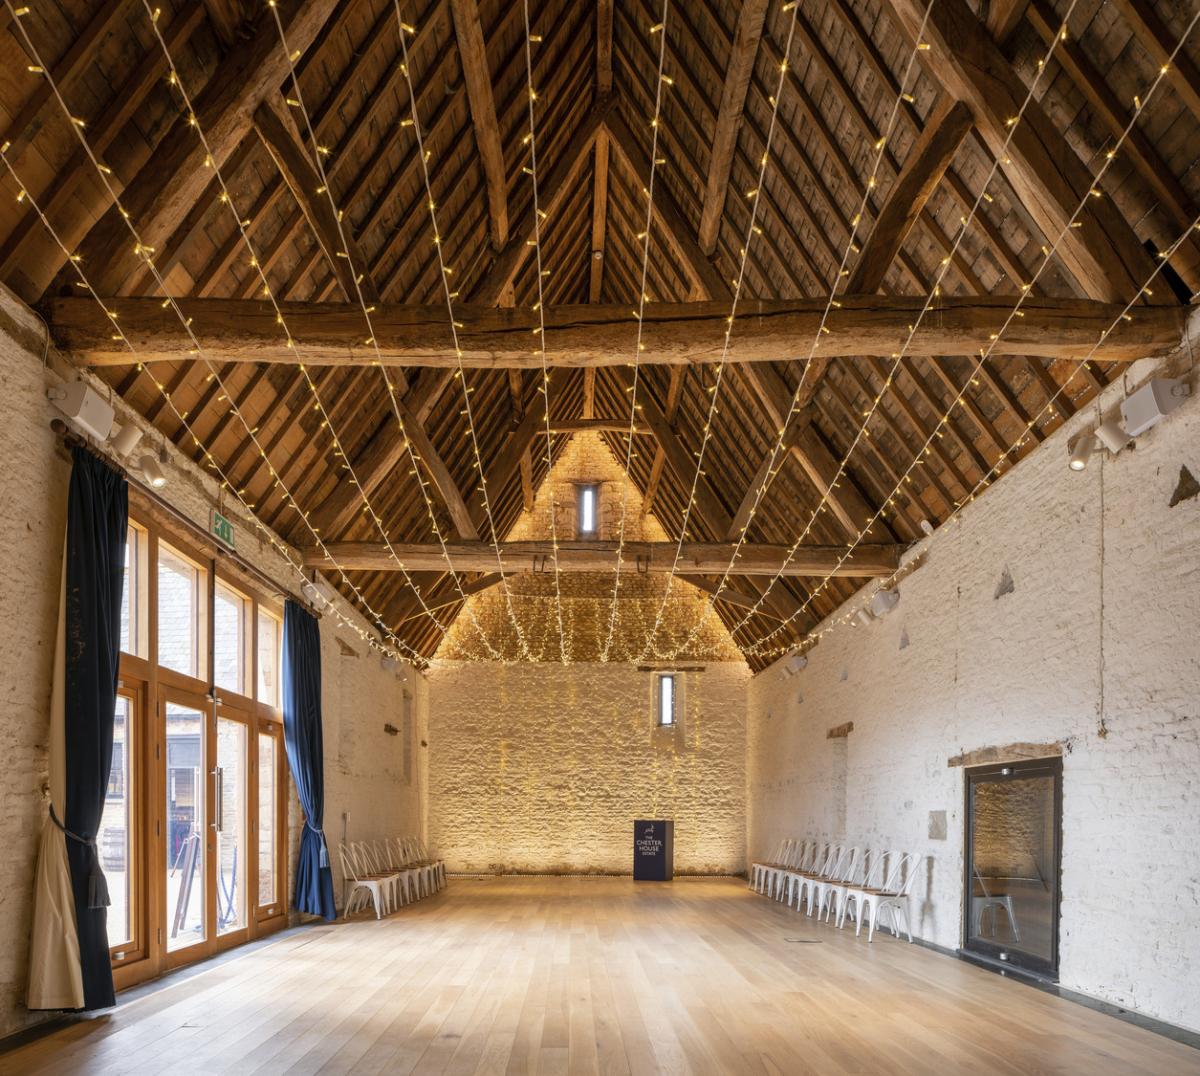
pixel 1000 955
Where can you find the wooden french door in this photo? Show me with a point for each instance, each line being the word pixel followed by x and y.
pixel 205 856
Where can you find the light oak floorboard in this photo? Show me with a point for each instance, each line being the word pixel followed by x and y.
pixel 538 976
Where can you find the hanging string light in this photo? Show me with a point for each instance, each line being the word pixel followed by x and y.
pixel 357 274
pixel 1141 102
pixel 145 252
pixel 450 295
pixel 540 331
pixel 759 649
pixel 661 81
pixel 403 650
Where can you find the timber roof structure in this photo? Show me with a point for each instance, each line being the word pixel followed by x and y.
pixel 367 253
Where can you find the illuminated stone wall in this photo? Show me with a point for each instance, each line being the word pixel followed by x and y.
pixel 543 767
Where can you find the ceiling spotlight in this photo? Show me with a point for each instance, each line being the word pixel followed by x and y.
pixel 125 439
pixel 884 601
pixel 1081 450
pixel 1111 436
pixel 152 471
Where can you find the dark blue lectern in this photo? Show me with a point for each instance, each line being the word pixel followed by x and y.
pixel 653 850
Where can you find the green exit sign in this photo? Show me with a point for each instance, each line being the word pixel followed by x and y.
pixel 222 529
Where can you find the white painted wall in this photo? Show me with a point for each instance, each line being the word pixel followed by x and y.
pixel 544 767
pixel 364 766
pixel 1098 646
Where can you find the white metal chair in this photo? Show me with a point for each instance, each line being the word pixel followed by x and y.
pixel 833 873
pixel 831 894
pixel 811 856
pixel 891 899
pixel 873 878
pixel 357 883
pixel 758 870
pixel 794 862
pixel 985 902
pixel 371 865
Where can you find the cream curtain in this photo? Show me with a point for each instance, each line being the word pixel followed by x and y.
pixel 55 978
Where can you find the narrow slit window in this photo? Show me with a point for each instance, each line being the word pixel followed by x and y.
pixel 666 699
pixel 589 516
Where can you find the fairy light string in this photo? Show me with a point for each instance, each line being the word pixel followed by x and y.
pixel 842 272
pixel 661 29
pixel 358 275
pixel 284 551
pixel 445 272
pixel 986 480
pixel 540 331
pixel 196 351
pixel 1142 102
pixel 256 263
pixel 897 357
pixel 752 229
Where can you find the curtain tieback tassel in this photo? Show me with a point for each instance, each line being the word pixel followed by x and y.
pixel 323 861
pixel 97 884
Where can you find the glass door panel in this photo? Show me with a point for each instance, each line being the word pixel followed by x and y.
pixel 229 822
pixel 1014 823
pixel 116 829
pixel 268 794
pixel 185 817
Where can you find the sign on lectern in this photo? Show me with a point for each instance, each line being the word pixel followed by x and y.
pixel 653 850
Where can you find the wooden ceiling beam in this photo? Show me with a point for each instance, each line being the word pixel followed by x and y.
pixel 698 558
pixel 277 129
pixel 708 508
pixel 478 77
pixel 380 457
pixel 597 425
pixel 174 178
pixel 742 53
pixel 705 278
pixel 1102 253
pixel 1003 17
pixel 923 169
pixel 330 334
pixel 599 216
pixel 845 502
pixel 558 184
pixel 920 176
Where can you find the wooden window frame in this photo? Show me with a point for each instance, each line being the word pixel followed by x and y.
pixel 154 685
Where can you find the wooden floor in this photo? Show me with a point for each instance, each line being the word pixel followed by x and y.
pixel 598 975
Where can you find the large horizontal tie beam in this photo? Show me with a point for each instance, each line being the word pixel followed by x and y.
pixel 696 558
pixel 331 334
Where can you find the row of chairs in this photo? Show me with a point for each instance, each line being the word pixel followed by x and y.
pixel 388 873
pixel 836 880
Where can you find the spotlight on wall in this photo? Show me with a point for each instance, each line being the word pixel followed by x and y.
pixel 926 527
pixel 884 601
pixel 152 471
pixel 1111 436
pixel 863 617
pixel 125 439
pixel 1081 450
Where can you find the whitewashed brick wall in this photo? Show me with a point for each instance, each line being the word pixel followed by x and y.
pixel 544 768
pixel 1098 646
pixel 363 765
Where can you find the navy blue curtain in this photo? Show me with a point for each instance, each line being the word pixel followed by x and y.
pixel 306 755
pixel 97 522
